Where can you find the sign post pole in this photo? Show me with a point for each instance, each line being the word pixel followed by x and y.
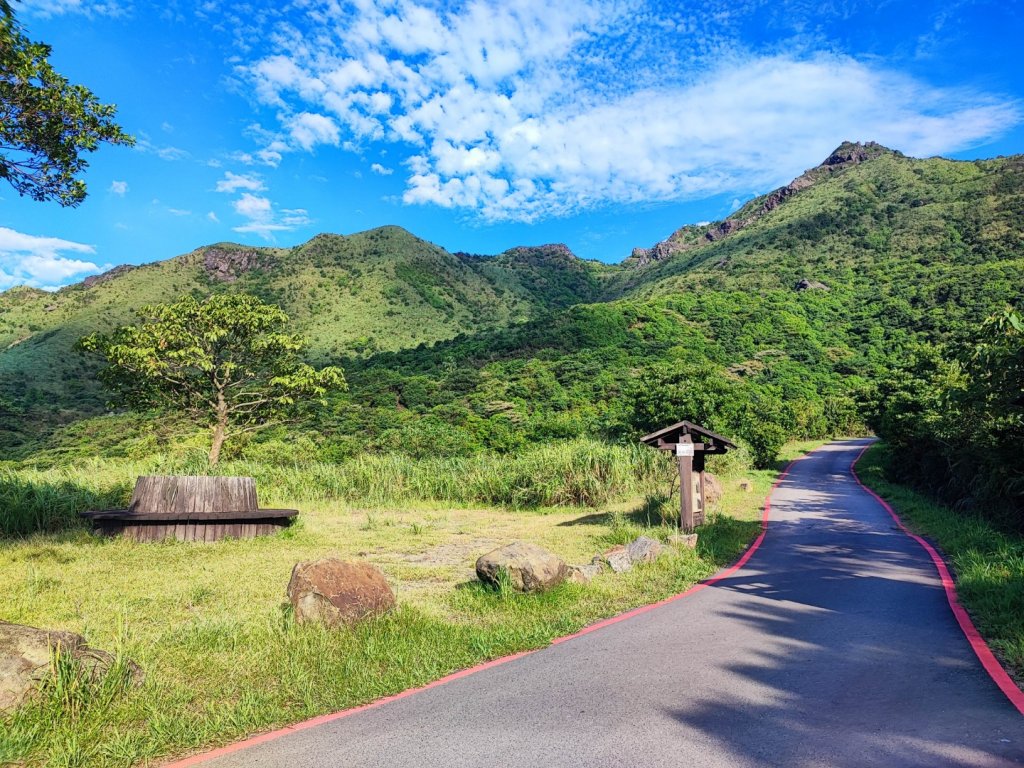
pixel 684 456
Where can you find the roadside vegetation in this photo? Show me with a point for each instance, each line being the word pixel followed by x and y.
pixel 955 414
pixel 210 625
pixel 988 563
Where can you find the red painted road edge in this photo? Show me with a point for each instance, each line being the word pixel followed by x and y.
pixel 313 722
pixel 984 653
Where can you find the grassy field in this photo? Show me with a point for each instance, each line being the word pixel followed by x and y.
pixel 211 627
pixel 988 564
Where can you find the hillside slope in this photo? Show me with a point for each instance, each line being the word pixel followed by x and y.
pixel 802 296
pixel 925 244
pixel 374 291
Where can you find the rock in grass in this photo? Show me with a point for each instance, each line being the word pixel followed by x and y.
pixel 530 568
pixel 644 550
pixel 583 574
pixel 26 660
pixel 688 540
pixel 334 592
pixel 713 489
pixel 618 559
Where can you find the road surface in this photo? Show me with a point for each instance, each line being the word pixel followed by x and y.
pixel 834 645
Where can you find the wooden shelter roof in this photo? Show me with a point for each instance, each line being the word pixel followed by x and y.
pixel 670 436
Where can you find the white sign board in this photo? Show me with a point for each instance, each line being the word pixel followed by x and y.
pixel 684 449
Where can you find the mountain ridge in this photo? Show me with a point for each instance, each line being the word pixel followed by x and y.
pixel 907 248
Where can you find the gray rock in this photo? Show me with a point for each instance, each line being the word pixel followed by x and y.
pixel 618 559
pixel 583 574
pixel 688 540
pixel 530 568
pixel 333 592
pixel 644 550
pixel 26 658
pixel 811 285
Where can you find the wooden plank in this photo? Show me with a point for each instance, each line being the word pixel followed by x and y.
pixel 184 495
pixel 224 515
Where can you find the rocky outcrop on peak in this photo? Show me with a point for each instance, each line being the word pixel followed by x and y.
pixel 641 257
pixel 689 237
pixel 854 153
pixel 226 265
pixel 93 280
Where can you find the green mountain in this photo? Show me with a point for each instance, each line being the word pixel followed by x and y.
pixel 919 241
pixel 350 296
pixel 778 315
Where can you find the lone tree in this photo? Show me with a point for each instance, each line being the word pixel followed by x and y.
pixel 46 123
pixel 226 361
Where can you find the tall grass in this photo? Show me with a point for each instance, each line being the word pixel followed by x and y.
pixel 575 473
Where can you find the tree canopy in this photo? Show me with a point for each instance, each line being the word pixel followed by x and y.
pixel 47 124
pixel 225 360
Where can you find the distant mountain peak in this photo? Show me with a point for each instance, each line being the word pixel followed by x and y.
pixel 847 154
pixel 855 152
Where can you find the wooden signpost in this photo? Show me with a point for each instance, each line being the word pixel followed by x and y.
pixel 690 456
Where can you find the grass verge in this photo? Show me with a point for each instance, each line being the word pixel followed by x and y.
pixel 211 628
pixel 988 564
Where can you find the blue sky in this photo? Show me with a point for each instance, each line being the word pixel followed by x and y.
pixel 603 124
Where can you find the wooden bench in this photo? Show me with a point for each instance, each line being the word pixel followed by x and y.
pixel 191 508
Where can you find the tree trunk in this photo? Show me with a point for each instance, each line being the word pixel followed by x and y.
pixel 219 430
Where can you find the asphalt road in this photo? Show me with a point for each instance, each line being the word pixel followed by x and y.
pixel 833 646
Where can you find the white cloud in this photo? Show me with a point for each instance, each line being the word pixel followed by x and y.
pixel 211 216
pixel 252 206
pixel 523 109
pixel 380 169
pixel 308 129
pixel 119 188
pixel 165 152
pixel 38 261
pixel 232 182
pixel 263 220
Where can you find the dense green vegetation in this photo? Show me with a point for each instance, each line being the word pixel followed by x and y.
pixel 956 415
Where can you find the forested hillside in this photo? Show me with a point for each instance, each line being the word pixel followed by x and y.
pixel 777 322
pixel 350 296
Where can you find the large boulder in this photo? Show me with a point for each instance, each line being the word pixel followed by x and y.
pixel 26 658
pixel 644 550
pixel 333 592
pixel 530 568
